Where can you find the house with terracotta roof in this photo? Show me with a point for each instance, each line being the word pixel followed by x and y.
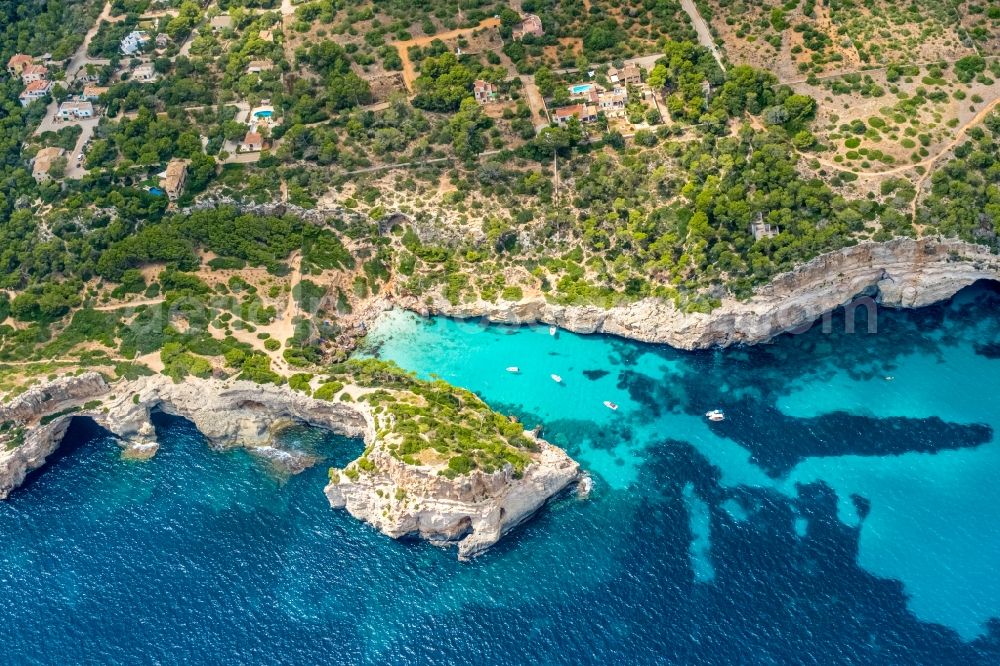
pixel 586 113
pixel 34 73
pixel 35 90
pixel 174 178
pixel 529 25
pixel 253 142
pixel 485 92
pixel 43 161
pixel 629 75
pixel 17 63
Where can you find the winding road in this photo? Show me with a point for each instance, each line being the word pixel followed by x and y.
pixel 704 33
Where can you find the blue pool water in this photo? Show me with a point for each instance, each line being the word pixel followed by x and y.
pixel 580 88
pixel 263 114
pixel 836 516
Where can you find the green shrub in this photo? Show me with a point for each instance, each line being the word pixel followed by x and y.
pixel 328 390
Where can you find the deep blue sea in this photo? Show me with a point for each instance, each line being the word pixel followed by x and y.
pixel 846 512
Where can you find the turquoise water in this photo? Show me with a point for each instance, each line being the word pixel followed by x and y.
pixel 845 512
pixel 581 88
pixel 263 114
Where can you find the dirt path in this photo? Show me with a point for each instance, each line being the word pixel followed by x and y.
pixel 409 71
pixel 400 165
pixel 21 364
pixel 948 147
pixel 284 329
pixel 927 161
pixel 79 58
pixel 704 34
pixel 539 114
pixel 839 74
pixel 133 304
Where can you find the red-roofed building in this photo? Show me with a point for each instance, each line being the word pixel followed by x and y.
pixel 34 73
pixel 629 75
pixel 587 113
pixel 17 63
pixel 485 92
pixel 35 90
pixel 253 142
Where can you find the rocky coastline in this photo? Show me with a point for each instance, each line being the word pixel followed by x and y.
pixel 902 273
pixel 473 510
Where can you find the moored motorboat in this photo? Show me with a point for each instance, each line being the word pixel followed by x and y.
pixel 715 415
pixel 556 378
pixel 514 369
pixel 610 405
pixel 552 330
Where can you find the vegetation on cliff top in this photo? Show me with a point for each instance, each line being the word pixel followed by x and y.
pixel 434 423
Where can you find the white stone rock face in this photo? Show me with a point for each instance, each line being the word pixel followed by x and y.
pixel 903 273
pixel 474 510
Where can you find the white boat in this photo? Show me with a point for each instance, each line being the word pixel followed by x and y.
pixel 715 415
pixel 556 378
pixel 610 405
pixel 514 369
pixel 552 330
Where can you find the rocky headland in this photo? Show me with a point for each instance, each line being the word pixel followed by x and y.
pixel 902 273
pixel 473 509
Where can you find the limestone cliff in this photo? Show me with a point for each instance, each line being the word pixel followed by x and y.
pixel 32 431
pixel 900 273
pixel 473 509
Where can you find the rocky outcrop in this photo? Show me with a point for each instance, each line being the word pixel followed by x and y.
pixel 903 273
pixel 473 511
pixel 32 428
pixel 227 413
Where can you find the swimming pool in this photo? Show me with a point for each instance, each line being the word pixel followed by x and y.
pixel 263 114
pixel 580 88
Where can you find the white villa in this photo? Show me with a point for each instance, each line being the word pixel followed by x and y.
pixel 133 42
